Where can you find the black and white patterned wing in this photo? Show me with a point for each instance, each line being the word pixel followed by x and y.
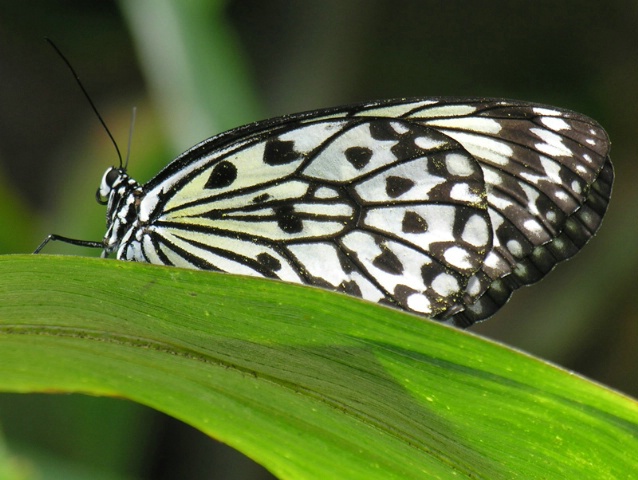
pixel 548 181
pixel 440 207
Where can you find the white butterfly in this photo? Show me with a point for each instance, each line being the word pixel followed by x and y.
pixel 441 207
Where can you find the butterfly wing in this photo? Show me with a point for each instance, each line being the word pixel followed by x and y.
pixel 435 206
pixel 548 180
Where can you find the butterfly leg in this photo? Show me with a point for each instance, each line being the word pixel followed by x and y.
pixel 59 238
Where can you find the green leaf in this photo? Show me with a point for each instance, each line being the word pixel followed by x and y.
pixel 309 383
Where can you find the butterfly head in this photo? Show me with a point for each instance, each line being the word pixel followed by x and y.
pixel 113 177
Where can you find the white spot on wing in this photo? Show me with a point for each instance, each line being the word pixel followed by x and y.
pixel 559 243
pixel 552 169
pixel 515 248
pixel 419 303
pixel 325 193
pixel 532 197
pixel 444 111
pixel 445 284
pixel 457 257
pixel 555 123
pixel 400 128
pixel 499 202
pixel 492 260
pixel 533 226
pixel 553 145
pixel 492 176
pixel 521 270
pixel 473 286
pixel 398 110
pixel 473 124
pixel 476 231
pixel 546 111
pixel 459 165
pixel 462 192
pixel 576 187
pixel 427 143
pixel 334 209
pixel 490 150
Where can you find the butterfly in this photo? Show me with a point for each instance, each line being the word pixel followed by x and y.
pixel 437 206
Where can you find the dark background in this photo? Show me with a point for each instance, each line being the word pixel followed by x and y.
pixel 294 56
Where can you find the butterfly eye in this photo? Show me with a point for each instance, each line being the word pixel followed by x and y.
pixel 109 179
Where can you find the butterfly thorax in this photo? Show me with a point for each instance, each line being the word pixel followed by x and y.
pixel 122 195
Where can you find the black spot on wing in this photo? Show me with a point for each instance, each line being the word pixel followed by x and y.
pixel 223 175
pixel 280 152
pixel 351 288
pixel 288 220
pixel 388 261
pixel 413 223
pixel 397 186
pixel 268 261
pixel 261 198
pixel 359 157
pixel 382 131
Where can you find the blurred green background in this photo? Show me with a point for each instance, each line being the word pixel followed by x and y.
pixel 197 67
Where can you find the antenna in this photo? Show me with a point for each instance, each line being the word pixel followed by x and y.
pixel 79 82
pixel 130 137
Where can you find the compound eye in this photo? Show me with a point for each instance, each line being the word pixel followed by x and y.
pixel 108 180
pixel 111 175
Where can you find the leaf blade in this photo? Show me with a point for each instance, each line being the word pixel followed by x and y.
pixel 303 381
